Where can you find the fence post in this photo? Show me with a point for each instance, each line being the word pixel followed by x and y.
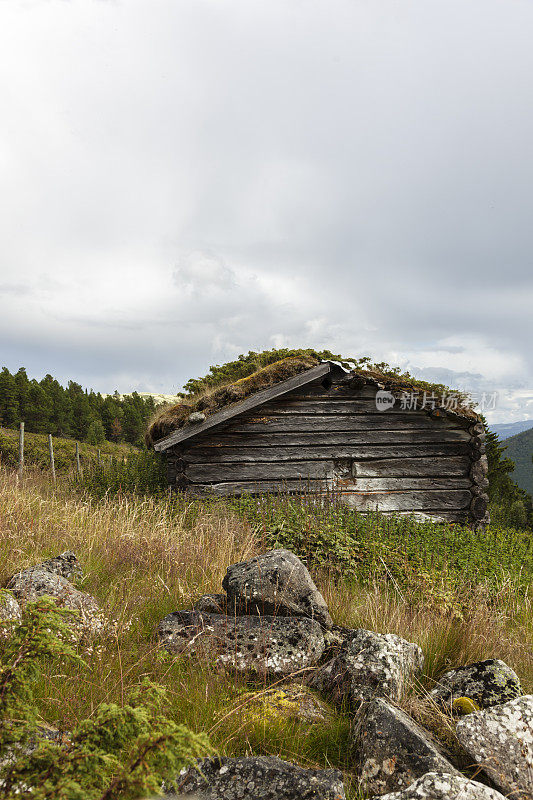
pixel 52 462
pixel 21 450
pixel 98 456
pixel 78 466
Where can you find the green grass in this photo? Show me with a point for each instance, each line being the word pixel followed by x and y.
pixel 461 596
pixel 36 453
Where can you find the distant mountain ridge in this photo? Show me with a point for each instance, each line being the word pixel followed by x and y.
pixel 507 429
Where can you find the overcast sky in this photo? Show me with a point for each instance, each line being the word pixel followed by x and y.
pixel 182 181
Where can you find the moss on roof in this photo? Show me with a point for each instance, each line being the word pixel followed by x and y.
pixel 173 417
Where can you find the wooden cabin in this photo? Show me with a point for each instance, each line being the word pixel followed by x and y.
pixel 325 430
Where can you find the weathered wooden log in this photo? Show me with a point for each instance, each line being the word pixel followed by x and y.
pixel 339 422
pixel 479 469
pixel 217 454
pixel 227 438
pixel 321 469
pixel 479 506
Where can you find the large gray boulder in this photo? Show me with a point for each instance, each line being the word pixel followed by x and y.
pixel 276 583
pixel 29 585
pixel 259 778
pixel 442 786
pixel 393 750
pixel 500 740
pixel 369 665
pixel 487 683
pixel 278 645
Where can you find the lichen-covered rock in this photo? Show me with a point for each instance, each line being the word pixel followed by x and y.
pixel 393 750
pixel 369 665
pixel 487 683
pixel 280 645
pixel 259 778
pixel 500 739
pixel 212 603
pixel 65 564
pixel 288 702
pixel 31 584
pixel 275 583
pixel 442 786
pixel 9 608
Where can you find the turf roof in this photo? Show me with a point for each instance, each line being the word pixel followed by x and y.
pixel 174 417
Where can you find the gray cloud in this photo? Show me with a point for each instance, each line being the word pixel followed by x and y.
pixel 184 182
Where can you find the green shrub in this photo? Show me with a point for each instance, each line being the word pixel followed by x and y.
pixel 123 751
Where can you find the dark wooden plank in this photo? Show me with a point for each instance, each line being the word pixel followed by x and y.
pixel 244 405
pixel 348 406
pixel 290 470
pixel 402 484
pixel 219 455
pixel 414 467
pixel 222 439
pixel 318 392
pixel 444 503
pixel 236 488
pixel 341 422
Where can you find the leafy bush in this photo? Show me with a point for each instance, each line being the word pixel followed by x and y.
pixel 123 751
pixel 398 549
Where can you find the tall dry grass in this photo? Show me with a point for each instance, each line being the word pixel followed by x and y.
pixel 144 558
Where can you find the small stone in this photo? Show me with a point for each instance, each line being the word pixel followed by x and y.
pixel 487 683
pixel 369 665
pixel 212 603
pixel 264 777
pixel 278 645
pixel 500 740
pixel 393 750
pixel 275 583
pixel 196 417
pixel 443 786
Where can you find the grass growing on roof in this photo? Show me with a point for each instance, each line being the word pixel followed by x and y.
pixel 250 374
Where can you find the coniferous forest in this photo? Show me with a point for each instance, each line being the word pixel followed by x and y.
pixel 47 407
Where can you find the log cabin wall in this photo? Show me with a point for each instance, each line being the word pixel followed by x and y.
pixel 327 436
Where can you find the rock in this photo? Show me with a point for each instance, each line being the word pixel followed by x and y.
pixel 393 750
pixel 276 583
pixel 196 417
pixel 31 584
pixel 65 564
pixel 259 778
pixel 487 683
pixel 369 665
pixel 500 739
pixel 279 645
pixel 212 603
pixel 289 702
pixel 442 786
pixel 9 608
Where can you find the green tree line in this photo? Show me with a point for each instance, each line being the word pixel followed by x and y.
pixel 47 407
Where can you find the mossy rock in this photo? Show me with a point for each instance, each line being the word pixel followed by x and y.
pixel 289 702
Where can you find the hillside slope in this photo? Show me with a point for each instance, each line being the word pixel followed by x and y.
pixel 36 450
pixel 520 450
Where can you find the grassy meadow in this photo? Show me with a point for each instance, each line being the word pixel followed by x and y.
pixel 461 596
